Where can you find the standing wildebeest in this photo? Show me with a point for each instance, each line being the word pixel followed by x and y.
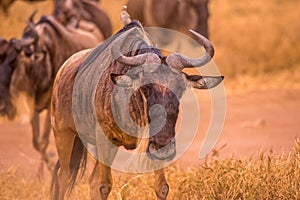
pixel 179 15
pixel 74 11
pixel 42 50
pixel 84 103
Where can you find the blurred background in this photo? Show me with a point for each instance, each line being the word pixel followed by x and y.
pixel 260 39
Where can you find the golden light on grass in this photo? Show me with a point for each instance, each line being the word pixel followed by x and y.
pixel 266 176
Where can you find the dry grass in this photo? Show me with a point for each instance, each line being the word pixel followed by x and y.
pixel 267 176
pixel 255 36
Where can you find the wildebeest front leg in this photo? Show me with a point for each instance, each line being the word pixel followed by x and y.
pixel 161 185
pixel 100 181
pixel 35 124
pixel 41 145
pixel 64 144
pixel 45 139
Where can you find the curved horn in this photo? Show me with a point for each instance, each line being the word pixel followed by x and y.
pixel 180 61
pixel 35 33
pixel 19 44
pixel 31 17
pixel 25 41
pixel 124 16
pixel 137 60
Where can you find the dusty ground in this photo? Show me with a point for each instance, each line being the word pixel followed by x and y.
pixel 264 119
pixel 256 121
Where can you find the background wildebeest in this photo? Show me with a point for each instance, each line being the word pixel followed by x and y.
pixel 77 11
pixel 9 51
pixel 41 51
pixel 179 15
pixel 84 102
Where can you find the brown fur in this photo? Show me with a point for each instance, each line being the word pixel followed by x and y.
pixel 74 11
pixel 179 15
pixel 8 55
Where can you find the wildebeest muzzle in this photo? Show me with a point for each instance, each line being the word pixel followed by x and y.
pixel 157 151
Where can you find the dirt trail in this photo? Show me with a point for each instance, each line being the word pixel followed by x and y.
pixel 254 120
pixel 260 120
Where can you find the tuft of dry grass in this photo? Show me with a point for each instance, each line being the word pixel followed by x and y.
pixel 16 186
pixel 266 176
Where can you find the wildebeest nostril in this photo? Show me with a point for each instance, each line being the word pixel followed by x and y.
pixel 162 141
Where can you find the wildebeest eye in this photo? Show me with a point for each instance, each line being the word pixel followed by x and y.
pixel 28 51
pixel 37 56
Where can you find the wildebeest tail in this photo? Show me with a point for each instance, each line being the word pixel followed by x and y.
pixel 78 162
pixel 77 165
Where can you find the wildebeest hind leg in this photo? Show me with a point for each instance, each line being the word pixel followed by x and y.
pixel 161 185
pixel 100 181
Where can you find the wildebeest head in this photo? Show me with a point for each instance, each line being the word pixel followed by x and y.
pixel 34 72
pixel 162 83
pixel 9 51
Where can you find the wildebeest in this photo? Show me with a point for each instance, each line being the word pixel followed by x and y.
pixel 41 51
pixel 84 103
pixel 9 51
pixel 74 11
pixel 179 15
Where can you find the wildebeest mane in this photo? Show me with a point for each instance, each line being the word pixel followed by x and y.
pixel 28 32
pixel 109 41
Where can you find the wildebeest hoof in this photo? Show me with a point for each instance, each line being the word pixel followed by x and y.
pixel 104 191
pixel 162 192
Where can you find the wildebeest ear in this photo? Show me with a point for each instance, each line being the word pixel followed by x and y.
pixel 123 80
pixel 203 82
